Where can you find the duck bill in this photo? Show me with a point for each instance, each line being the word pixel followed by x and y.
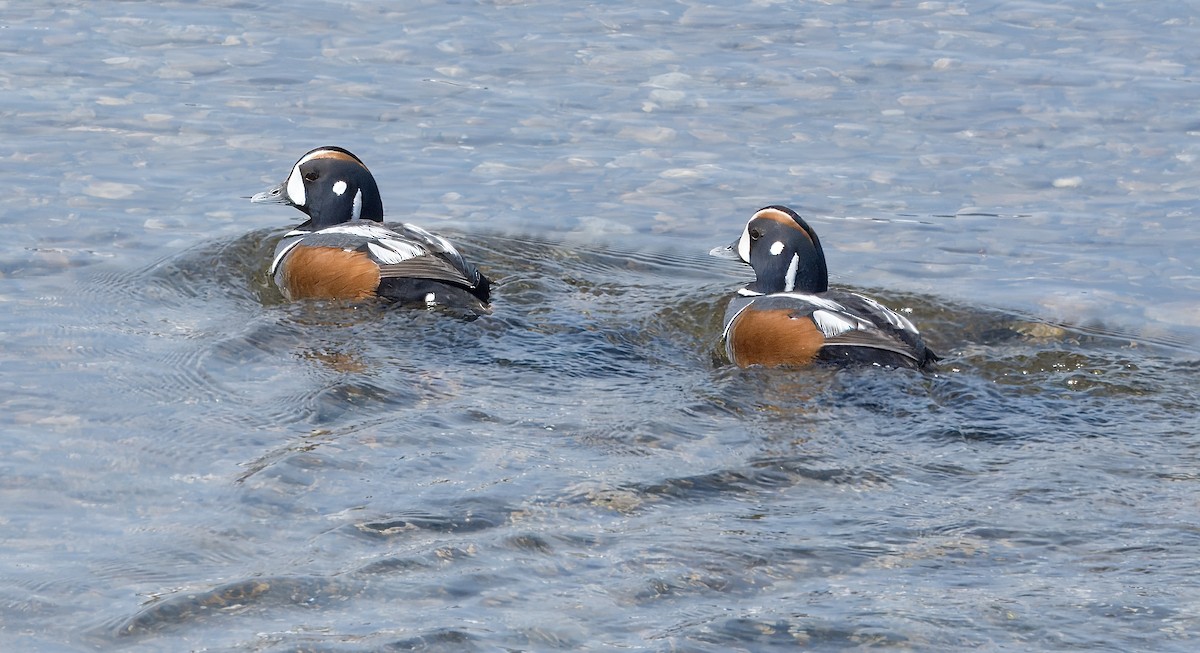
pixel 726 252
pixel 273 195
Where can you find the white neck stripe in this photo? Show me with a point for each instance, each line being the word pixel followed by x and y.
pixel 789 283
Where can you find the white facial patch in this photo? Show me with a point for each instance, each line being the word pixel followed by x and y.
pixel 776 247
pixel 295 182
pixel 743 248
pixel 789 281
pixel 430 299
pixel 339 187
pixel 295 186
pixel 356 209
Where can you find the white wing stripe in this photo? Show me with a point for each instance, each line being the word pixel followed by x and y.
pixel 393 251
pixel 360 229
pixel 821 302
pixel 893 318
pixel 432 239
pixel 833 324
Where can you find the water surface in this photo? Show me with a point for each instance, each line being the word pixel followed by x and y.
pixel 194 464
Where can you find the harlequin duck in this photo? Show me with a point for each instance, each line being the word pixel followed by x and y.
pixel 789 317
pixel 344 251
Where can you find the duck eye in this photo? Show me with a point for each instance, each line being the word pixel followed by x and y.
pixel 311 176
pixel 755 234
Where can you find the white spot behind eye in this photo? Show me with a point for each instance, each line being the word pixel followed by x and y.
pixel 776 247
pixel 339 187
pixel 430 299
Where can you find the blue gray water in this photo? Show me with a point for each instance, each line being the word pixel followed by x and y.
pixel 191 463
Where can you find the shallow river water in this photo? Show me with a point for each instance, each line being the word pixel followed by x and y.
pixel 191 463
